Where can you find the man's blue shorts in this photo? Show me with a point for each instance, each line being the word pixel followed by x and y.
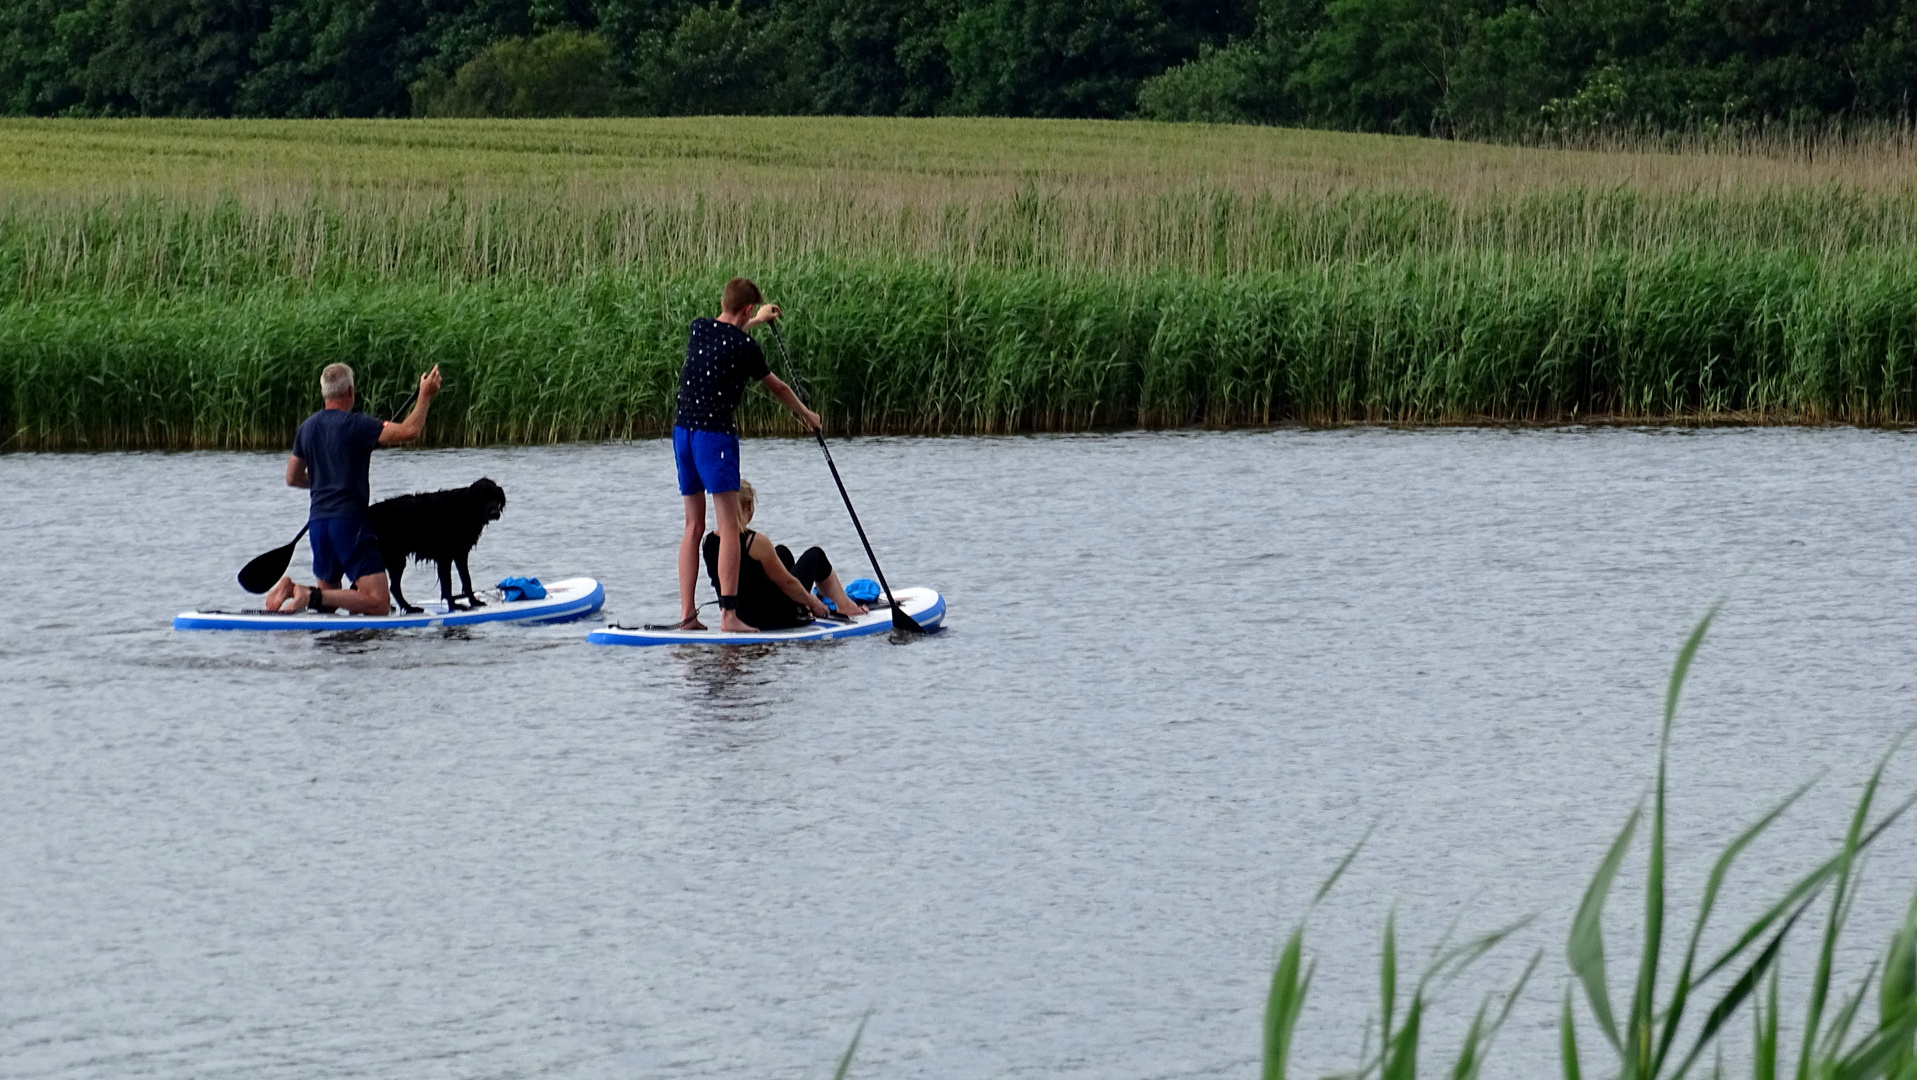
pixel 707 460
pixel 344 549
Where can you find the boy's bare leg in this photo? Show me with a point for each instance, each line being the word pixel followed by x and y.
pixel 689 560
pixel 725 506
pixel 835 592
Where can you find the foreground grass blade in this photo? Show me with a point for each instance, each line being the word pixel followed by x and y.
pixel 1680 994
pixel 1289 984
pixel 1388 982
pixel 1641 1028
pixel 1764 1032
pixel 1586 948
pixel 1568 1041
pixel 1854 842
pixel 1479 1036
pixel 845 1062
pixel 1897 992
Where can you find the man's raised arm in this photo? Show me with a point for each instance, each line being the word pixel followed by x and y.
pixel 410 428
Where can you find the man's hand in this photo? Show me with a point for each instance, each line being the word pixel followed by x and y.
pixel 812 421
pixel 409 429
pixel 765 314
pixel 819 610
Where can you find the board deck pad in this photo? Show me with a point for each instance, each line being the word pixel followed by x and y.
pixel 925 606
pixel 573 598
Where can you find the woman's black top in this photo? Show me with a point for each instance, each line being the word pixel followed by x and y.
pixel 761 603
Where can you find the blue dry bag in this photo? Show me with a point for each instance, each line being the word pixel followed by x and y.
pixel 864 590
pixel 522 588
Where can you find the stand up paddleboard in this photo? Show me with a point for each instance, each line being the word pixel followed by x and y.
pixel 925 606
pixel 573 598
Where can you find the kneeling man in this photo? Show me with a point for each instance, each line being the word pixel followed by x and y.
pixel 332 455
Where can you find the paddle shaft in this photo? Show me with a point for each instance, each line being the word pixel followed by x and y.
pixel 900 620
pixel 830 464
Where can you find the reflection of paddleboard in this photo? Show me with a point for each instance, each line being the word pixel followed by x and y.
pixel 924 605
pixel 573 598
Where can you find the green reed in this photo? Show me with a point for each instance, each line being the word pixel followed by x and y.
pixel 1682 1003
pixel 1690 333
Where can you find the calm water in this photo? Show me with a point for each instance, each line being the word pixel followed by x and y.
pixel 1183 673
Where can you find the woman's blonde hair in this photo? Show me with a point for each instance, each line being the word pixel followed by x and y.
pixel 747 497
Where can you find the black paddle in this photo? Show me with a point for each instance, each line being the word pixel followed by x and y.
pixel 260 574
pixel 900 620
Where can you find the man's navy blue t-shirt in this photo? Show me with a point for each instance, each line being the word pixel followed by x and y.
pixel 337 447
pixel 720 359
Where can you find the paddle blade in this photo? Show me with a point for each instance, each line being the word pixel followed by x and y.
pixel 905 623
pixel 260 574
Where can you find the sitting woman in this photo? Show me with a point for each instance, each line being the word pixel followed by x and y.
pixel 775 590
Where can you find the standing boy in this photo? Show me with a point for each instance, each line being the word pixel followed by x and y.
pixel 720 359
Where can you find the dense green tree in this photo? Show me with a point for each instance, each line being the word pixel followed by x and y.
pixel 559 73
pixel 38 75
pixel 1474 67
pixel 162 57
pixel 1072 58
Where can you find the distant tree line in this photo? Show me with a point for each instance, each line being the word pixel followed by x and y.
pixel 1479 67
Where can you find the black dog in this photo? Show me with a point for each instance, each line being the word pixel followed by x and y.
pixel 441 526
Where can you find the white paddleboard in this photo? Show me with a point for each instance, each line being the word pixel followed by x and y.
pixel 573 598
pixel 926 607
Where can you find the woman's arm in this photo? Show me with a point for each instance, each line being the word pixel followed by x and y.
pixel 775 571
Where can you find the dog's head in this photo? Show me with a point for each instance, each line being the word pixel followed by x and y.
pixel 489 496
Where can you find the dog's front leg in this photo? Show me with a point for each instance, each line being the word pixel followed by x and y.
pixel 446 584
pixel 466 579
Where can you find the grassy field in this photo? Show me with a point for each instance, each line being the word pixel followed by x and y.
pixel 178 283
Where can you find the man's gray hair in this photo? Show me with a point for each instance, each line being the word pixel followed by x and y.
pixel 336 381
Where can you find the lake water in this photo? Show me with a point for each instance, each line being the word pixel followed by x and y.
pixel 1183 674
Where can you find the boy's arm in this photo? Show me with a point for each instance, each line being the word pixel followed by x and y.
pixel 777 387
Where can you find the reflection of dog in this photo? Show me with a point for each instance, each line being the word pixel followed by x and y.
pixel 441 526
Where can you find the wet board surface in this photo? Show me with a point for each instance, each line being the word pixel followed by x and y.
pixel 925 606
pixel 573 598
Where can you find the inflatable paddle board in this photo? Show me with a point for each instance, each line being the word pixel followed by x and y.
pixel 924 605
pixel 573 598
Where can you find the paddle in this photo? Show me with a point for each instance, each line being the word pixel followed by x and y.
pixel 260 574
pixel 900 620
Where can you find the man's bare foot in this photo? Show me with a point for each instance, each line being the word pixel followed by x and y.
pixel 732 624
pixel 294 601
pixel 690 622
pixel 277 595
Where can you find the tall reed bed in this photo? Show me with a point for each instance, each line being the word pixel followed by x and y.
pixel 905 347
pixel 1685 999
pixel 186 280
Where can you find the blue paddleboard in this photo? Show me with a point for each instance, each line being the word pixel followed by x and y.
pixel 573 598
pixel 925 606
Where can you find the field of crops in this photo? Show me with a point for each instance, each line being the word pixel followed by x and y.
pixel 180 283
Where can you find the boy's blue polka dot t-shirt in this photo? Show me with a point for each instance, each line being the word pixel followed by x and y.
pixel 720 360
